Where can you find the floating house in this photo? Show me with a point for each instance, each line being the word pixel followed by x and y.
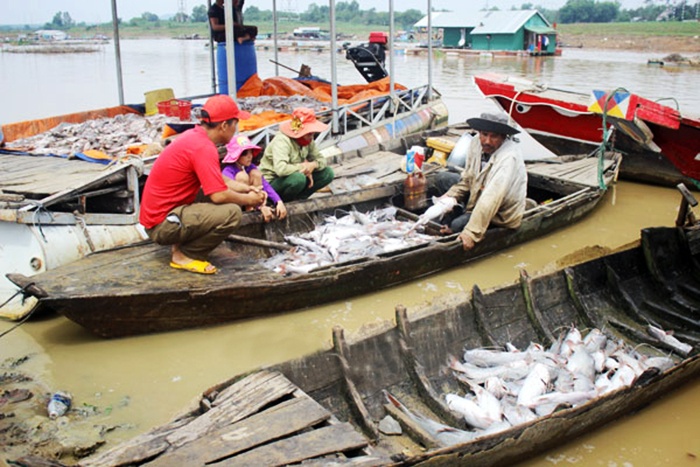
pixel 513 30
pixel 51 35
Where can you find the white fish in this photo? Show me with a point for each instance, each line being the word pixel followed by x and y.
pixel 572 339
pixel 513 371
pixel 440 207
pixel 595 340
pixel 667 338
pixel 487 401
pixel 662 363
pixel 473 414
pixel 486 357
pixel 494 428
pixel 518 414
pixel 496 386
pixel 598 360
pixel 623 377
pixel 444 434
pixel 535 384
pixel 563 398
pixel 602 383
pixel 580 362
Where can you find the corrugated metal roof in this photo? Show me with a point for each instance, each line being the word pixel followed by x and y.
pixel 504 22
pixel 484 22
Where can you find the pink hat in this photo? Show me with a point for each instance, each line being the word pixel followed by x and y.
pixel 220 108
pixel 302 123
pixel 237 146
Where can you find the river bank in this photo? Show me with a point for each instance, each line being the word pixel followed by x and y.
pixel 636 43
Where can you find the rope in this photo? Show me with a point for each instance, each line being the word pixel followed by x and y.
pixel 36 221
pixel 28 315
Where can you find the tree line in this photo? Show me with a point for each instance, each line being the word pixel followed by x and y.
pixel 574 11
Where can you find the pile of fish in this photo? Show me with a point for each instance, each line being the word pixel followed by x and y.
pixel 505 388
pixel 347 238
pixel 110 135
pixel 280 104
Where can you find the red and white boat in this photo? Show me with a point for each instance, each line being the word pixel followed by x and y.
pixel 660 145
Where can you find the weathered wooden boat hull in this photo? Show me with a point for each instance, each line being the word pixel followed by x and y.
pixel 48 213
pixel 562 122
pixel 132 291
pixel 656 281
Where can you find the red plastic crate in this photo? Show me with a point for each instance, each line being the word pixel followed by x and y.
pixel 175 108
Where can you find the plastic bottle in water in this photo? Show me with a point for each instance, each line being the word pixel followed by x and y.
pixel 59 404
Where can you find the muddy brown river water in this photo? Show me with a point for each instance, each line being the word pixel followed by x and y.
pixel 138 383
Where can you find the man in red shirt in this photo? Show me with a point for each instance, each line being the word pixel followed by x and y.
pixel 188 164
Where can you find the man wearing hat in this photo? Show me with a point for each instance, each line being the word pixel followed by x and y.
pixel 187 165
pixel 493 183
pixel 291 162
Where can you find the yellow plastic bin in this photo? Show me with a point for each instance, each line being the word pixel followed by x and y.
pixel 152 98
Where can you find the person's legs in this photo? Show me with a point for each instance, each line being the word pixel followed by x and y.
pixel 460 222
pixel 243 177
pixel 289 188
pixel 321 178
pixel 444 181
pixel 197 229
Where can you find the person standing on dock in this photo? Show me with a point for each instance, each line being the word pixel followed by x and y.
pixel 241 33
pixel 187 165
pixel 493 183
pixel 292 162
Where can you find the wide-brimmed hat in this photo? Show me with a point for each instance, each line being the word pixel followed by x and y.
pixel 237 146
pixel 493 123
pixel 302 123
pixel 220 108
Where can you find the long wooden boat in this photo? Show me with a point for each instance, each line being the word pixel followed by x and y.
pixel 57 208
pixel 133 291
pixel 660 145
pixel 332 407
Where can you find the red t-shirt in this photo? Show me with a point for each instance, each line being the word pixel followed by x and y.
pixel 185 165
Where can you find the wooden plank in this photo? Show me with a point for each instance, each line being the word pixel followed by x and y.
pixel 362 461
pixel 235 403
pixel 309 445
pixel 282 420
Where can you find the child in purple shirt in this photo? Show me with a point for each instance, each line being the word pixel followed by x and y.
pixel 241 175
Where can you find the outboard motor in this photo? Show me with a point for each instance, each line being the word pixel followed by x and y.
pixel 369 58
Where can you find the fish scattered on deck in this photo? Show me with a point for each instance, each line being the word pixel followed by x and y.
pixel 347 238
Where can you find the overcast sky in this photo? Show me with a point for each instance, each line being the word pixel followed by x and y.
pixel 100 11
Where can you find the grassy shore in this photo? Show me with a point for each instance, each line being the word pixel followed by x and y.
pixel 658 37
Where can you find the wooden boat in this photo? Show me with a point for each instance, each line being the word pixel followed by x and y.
pixel 660 145
pixel 55 210
pixel 326 408
pixel 132 291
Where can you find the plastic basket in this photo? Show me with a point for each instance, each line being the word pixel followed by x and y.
pixel 176 108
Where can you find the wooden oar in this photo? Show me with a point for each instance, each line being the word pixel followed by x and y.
pixel 258 242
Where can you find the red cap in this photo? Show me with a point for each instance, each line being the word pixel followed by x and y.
pixel 220 108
